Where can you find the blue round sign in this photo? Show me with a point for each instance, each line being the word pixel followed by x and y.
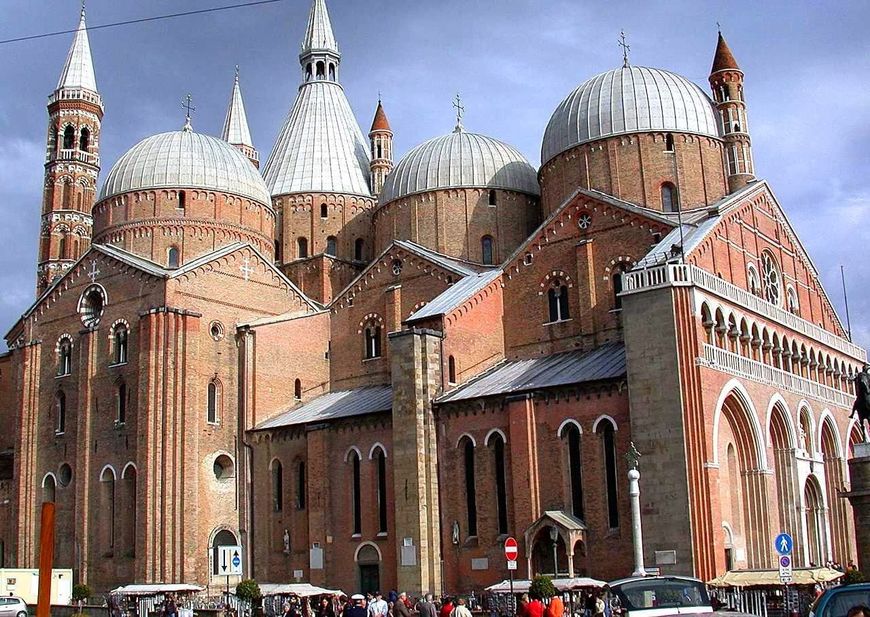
pixel 236 561
pixel 783 544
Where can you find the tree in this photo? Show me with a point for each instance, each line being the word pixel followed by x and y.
pixel 248 590
pixel 853 576
pixel 80 593
pixel 542 588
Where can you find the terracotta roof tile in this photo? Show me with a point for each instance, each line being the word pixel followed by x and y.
pixel 723 59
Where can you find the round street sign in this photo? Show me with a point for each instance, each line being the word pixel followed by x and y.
pixel 783 544
pixel 511 551
pixel 785 561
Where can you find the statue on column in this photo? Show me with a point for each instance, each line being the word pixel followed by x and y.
pixel 862 400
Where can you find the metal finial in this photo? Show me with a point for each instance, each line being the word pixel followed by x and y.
pixel 632 456
pixel 83 8
pixel 185 104
pixel 625 48
pixel 379 97
pixel 460 109
pixel 719 27
pixel 237 73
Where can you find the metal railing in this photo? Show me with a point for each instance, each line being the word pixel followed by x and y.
pixel 675 274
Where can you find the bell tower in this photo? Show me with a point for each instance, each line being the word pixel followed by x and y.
pixel 381 140
pixel 72 162
pixel 726 81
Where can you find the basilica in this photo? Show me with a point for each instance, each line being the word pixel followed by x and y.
pixel 367 370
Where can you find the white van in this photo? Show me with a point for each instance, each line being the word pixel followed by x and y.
pixel 656 596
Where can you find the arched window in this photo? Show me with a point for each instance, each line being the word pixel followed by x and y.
pixel 277 251
pixel 669 142
pixel 379 150
pixel 618 273
pixel 608 442
pixel 308 72
pixel 297 390
pixel 277 485
pixel 372 340
pixel 61 247
pixel 324 211
pixel 331 71
pixel 358 247
pixel 486 249
pixel 106 511
pixel 49 489
pixel 66 194
pixel 69 138
pixel 356 491
pixel 492 197
pixel 64 357
pixel 557 301
pixel 84 139
pixel 470 492
pixel 330 245
pixel 670 199
pixel 60 413
pixel 301 248
pixel 224 537
pixel 182 200
pixel 120 339
pixel 771 278
pixel 753 281
pixel 381 460
pixel 301 484
pixel 172 257
pixel 571 435
pixel 121 396
pixel 792 299
pixel 321 70
pixel 214 401
pixel 500 483
pixel 451 369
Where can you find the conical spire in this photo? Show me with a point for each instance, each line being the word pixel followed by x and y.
pixel 723 59
pixel 236 123
pixel 380 123
pixel 318 35
pixel 78 71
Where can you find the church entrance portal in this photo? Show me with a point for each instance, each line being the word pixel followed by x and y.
pixel 369 562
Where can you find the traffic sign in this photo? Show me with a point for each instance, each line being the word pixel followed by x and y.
pixel 785 571
pixel 783 544
pixel 229 560
pixel 512 565
pixel 511 550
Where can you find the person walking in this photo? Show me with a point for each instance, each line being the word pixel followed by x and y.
pixel 356 608
pixel 400 606
pixel 446 607
pixel 556 607
pixel 426 607
pixel 460 610
pixel 535 608
pixel 378 607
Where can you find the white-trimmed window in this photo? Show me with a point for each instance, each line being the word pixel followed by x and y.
pixel 557 301
pixel 791 299
pixel 213 403
pixel 64 356
pixel 772 279
pixel 753 281
pixel 120 336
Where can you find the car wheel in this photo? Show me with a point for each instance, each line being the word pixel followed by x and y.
pixel 21 614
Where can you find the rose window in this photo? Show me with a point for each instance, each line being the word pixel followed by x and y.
pixel 772 279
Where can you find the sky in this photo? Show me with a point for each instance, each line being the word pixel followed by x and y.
pixel 512 61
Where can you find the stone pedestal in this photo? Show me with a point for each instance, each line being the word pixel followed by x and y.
pixel 859 496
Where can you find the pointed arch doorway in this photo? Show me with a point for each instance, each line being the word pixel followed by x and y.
pixel 368 560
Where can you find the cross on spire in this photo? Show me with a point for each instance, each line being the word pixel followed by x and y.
pixel 625 48
pixel 460 109
pixel 186 105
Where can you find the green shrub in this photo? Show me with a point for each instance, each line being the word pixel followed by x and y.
pixel 81 592
pixel 542 588
pixel 248 590
pixel 853 576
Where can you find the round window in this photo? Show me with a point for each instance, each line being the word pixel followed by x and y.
pixel 223 467
pixel 64 475
pixel 772 279
pixel 216 330
pixel 397 267
pixel 91 306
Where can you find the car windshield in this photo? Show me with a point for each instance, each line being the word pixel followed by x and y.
pixel 842 601
pixel 661 593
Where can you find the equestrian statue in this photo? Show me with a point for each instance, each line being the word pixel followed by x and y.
pixel 862 400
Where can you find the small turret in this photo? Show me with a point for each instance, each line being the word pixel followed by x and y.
pixel 319 56
pixel 381 139
pixel 236 131
pixel 726 81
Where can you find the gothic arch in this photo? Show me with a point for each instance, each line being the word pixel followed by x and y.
pixel 362 545
pixel 128 466
pixel 777 402
pixel 736 389
pixel 377 446
pixel 604 418
pixel 351 450
pixel 826 419
pixel 493 432
pixel 468 436
pixel 565 423
pixel 109 468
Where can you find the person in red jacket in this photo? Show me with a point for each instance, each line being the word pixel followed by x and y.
pixel 535 608
pixel 446 607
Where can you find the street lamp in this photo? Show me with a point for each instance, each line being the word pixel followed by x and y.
pixel 554 538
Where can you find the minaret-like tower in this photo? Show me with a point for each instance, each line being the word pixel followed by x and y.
pixel 319 56
pixel 236 131
pixel 72 162
pixel 726 81
pixel 381 140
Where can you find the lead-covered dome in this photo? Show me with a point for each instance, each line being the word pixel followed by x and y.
pixel 184 159
pixel 629 99
pixel 460 160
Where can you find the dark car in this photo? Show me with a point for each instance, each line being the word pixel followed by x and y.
pixel 836 601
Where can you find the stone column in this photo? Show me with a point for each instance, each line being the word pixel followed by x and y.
pixel 636 531
pixel 416 378
pixel 859 496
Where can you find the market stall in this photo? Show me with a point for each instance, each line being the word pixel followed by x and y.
pixel 144 600
pixel 302 597
pixel 761 592
pixel 571 590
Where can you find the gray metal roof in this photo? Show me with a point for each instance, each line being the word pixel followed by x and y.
pixel 321 147
pixel 561 369
pixel 334 405
pixel 78 70
pixel 455 295
pixel 628 100
pixel 184 159
pixel 236 130
pixel 318 33
pixel 445 261
pixel 460 159
pixel 565 519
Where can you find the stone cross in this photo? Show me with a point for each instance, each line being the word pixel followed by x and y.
pixel 246 268
pixel 625 48
pixel 460 109
pixel 94 273
pixel 185 104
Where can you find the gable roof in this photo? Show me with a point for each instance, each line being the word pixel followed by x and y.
pixel 455 295
pixel 333 406
pixel 515 376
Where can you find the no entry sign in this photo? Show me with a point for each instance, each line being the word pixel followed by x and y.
pixel 510 549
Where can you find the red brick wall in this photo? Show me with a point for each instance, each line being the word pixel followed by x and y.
pixel 321 277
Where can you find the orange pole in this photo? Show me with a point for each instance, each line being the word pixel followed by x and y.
pixel 46 559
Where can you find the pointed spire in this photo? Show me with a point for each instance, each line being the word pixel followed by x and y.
pixel 78 70
pixel 318 35
pixel 723 59
pixel 236 129
pixel 380 123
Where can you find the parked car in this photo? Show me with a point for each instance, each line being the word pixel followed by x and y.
pixel 12 606
pixel 836 601
pixel 661 596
